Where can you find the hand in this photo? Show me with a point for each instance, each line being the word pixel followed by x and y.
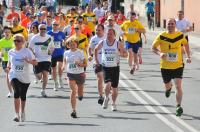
pixel 188 60
pixel 27 60
pixel 62 68
pixel 7 69
pixel 90 58
pixel 163 55
pixel 34 62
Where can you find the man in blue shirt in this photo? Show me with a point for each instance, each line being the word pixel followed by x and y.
pixel 57 56
pixel 150 9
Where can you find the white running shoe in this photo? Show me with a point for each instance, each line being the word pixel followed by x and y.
pixel 55 86
pixel 113 107
pixel 50 77
pixel 43 93
pixel 9 95
pixel 23 117
pixel 105 103
pixel 16 118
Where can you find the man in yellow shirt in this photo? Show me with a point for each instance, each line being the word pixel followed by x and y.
pixel 132 29
pixel 16 28
pixel 168 45
pixel 90 18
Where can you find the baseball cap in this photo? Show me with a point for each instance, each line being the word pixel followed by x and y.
pixel 39 14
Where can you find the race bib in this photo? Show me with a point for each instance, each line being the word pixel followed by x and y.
pixel 110 59
pixel 72 66
pixel 6 49
pixel 43 48
pixel 89 19
pixel 19 68
pixel 57 44
pixel 172 57
pixel 131 30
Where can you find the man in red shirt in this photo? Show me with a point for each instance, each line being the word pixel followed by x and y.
pixel 12 15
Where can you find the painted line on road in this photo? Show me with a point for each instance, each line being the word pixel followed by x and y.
pixel 151 109
pixel 179 120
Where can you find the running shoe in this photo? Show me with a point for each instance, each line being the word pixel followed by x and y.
pixel 55 86
pixel 80 98
pixel 73 114
pixel 179 111
pixel 105 103
pixel 50 77
pixel 23 117
pixel 168 93
pixel 9 95
pixel 113 107
pixel 16 118
pixel 43 93
pixel 100 101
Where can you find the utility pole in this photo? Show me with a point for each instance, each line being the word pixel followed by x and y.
pixel 182 5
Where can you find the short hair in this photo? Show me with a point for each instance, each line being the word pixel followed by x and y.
pixel 7 28
pixel 112 30
pixel 20 36
pixel 101 25
pixel 181 11
pixel 172 19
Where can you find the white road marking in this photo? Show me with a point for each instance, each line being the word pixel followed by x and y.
pixel 183 123
pixel 151 109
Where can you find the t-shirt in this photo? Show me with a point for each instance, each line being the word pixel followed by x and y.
pixel 99 12
pixel 20 30
pixel 95 40
pixel 72 57
pixel 5 46
pixel 58 38
pixel 12 15
pixel 182 25
pixel 150 7
pixel 129 29
pixel 172 45
pixel 90 18
pixel 41 46
pixel 19 67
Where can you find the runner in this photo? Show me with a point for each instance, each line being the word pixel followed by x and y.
pixel 6 44
pixel 19 76
pixel 83 41
pixel 74 61
pixel 150 10
pixel 111 52
pixel 17 28
pixel 42 46
pixel 98 68
pixel 57 56
pixel 168 46
pixel 132 29
pixel 183 25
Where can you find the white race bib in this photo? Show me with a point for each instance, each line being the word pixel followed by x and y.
pixel 57 44
pixel 19 68
pixel 172 57
pixel 131 30
pixel 89 19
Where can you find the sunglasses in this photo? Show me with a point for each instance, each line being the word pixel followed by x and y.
pixel 55 24
pixel 42 28
pixel 76 28
pixel 17 41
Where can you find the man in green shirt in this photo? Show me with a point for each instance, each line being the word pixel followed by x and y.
pixel 6 43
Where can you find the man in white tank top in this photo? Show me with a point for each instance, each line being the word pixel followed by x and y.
pixel 111 52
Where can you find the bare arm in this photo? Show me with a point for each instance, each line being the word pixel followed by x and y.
pixel 98 47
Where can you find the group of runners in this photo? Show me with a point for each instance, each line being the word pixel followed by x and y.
pixel 54 43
